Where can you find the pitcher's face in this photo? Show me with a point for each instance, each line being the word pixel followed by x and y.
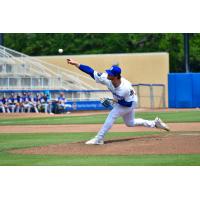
pixel 111 78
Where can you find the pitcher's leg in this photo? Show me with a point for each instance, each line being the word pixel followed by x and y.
pixel 116 112
pixel 129 120
pixel 144 122
pixel 156 123
pixel 113 115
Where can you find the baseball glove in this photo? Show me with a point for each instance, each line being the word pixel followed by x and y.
pixel 106 102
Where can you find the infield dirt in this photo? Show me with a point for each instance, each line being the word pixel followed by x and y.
pixel 73 128
pixel 177 143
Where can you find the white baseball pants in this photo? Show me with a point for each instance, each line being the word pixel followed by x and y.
pixel 12 107
pixel 3 109
pixel 128 115
pixel 26 106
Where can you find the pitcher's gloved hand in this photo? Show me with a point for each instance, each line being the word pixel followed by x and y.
pixel 106 102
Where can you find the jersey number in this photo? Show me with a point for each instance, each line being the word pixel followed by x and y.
pixel 131 92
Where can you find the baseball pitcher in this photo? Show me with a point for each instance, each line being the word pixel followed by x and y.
pixel 124 101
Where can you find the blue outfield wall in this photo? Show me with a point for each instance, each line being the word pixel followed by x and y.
pixel 184 90
pixel 86 105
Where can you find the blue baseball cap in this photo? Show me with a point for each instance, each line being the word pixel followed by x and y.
pixel 114 71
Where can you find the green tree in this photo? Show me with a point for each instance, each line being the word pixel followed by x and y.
pixel 36 44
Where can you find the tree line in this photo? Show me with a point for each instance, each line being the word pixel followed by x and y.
pixel 37 44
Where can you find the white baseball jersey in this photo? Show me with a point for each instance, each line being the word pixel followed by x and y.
pixel 124 91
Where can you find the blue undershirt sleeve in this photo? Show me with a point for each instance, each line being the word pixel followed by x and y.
pixel 125 103
pixel 87 70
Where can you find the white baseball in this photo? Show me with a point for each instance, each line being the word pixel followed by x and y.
pixel 60 50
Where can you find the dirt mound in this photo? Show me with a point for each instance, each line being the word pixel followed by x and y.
pixel 185 143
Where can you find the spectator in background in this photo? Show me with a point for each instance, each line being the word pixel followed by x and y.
pixel 11 103
pixel 46 103
pixel 26 105
pixel 19 103
pixel 36 100
pixel 5 104
pixel 2 107
pixel 32 103
pixel 61 103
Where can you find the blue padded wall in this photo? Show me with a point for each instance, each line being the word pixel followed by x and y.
pixel 196 90
pixel 171 91
pixel 184 90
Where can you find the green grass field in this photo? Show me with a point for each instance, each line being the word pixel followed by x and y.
pixel 175 116
pixel 17 141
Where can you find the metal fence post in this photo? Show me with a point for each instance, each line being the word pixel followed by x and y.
pixel 138 94
pixel 186 51
pixel 164 103
pixel 151 96
pixel 8 84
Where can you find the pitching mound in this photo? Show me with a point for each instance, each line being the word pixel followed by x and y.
pixel 173 143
